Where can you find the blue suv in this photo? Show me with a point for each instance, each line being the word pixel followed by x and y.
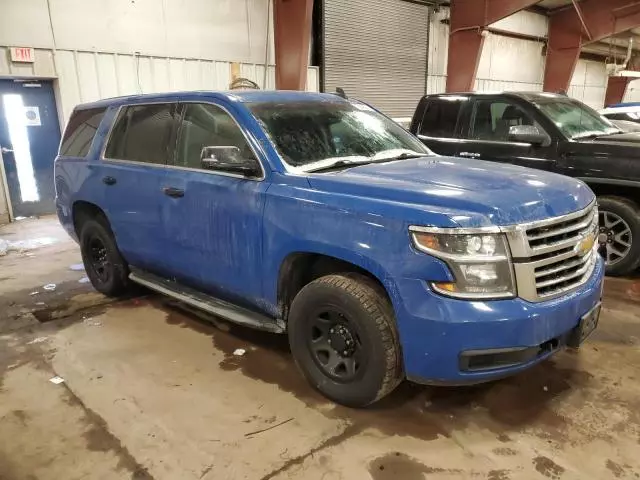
pixel 319 217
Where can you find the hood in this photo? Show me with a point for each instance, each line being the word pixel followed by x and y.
pixel 472 192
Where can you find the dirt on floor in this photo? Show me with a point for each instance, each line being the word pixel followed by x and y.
pixel 151 391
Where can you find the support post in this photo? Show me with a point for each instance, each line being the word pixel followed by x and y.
pixel 616 88
pixel 292 35
pixel 580 24
pixel 466 38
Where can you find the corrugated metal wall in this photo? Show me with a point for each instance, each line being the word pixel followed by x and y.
pixel 86 76
pixel 376 50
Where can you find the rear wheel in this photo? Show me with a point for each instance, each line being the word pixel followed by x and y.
pixel 103 262
pixel 343 337
pixel 619 234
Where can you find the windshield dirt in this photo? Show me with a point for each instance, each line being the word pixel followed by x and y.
pixel 576 120
pixel 309 134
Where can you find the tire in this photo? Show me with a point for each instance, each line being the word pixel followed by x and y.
pixel 109 274
pixel 319 315
pixel 612 209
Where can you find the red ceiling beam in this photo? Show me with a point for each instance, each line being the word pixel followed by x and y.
pixel 468 19
pixel 292 34
pixel 577 25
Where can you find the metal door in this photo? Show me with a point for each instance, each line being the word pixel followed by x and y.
pixel 29 139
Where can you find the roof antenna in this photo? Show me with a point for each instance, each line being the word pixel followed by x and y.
pixel 340 92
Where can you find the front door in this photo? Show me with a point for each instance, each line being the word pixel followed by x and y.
pixel 29 139
pixel 486 136
pixel 213 225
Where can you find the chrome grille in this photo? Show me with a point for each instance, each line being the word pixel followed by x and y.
pixel 555 256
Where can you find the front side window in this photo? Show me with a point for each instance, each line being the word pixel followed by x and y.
pixel 492 120
pixel 142 133
pixel 312 133
pixel 441 117
pixel 80 131
pixel 574 119
pixel 206 125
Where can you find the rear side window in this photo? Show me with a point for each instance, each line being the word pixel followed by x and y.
pixel 441 117
pixel 143 133
pixel 80 131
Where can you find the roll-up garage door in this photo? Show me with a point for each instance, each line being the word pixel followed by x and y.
pixel 376 50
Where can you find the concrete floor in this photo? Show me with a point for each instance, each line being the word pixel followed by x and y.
pixel 151 392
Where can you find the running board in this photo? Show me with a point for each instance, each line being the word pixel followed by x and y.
pixel 209 304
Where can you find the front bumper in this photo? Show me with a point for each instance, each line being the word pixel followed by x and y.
pixel 435 331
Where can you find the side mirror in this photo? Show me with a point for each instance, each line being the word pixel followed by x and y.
pixel 526 134
pixel 228 159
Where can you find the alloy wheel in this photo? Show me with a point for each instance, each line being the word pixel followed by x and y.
pixel 614 236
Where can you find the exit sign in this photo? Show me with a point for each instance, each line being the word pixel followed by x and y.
pixel 22 54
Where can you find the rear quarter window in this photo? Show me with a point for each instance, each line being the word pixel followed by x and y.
pixel 80 132
pixel 441 117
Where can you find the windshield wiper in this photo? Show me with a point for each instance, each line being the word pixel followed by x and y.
pixel 596 135
pixel 402 156
pixel 338 164
pixel 356 161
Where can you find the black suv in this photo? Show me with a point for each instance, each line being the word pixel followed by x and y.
pixel 549 132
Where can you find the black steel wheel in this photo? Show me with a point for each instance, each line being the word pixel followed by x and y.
pixel 343 338
pixel 335 345
pixel 619 234
pixel 105 266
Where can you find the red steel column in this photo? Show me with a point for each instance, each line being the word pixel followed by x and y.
pixel 616 88
pixel 468 19
pixel 570 30
pixel 563 51
pixel 292 35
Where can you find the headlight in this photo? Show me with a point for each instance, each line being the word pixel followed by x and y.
pixel 479 262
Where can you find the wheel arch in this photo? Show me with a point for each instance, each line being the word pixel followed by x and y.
pixel 300 268
pixel 82 210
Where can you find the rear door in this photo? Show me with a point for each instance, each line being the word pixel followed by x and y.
pixel 213 226
pixel 439 127
pixel 486 134
pixel 131 179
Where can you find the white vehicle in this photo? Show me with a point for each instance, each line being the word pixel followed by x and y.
pixel 625 116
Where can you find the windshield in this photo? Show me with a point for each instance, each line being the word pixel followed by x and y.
pixel 310 134
pixel 575 119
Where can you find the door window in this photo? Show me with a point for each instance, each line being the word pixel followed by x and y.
pixel 142 133
pixel 207 125
pixel 80 131
pixel 492 120
pixel 441 117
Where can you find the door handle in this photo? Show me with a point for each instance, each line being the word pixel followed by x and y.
pixel 173 192
pixel 109 180
pixel 6 150
pixel 469 154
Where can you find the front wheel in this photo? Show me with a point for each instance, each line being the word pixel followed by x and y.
pixel 619 234
pixel 343 337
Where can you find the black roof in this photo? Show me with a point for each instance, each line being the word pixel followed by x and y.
pixel 530 96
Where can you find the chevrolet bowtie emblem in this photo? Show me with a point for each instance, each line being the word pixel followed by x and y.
pixel 585 245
